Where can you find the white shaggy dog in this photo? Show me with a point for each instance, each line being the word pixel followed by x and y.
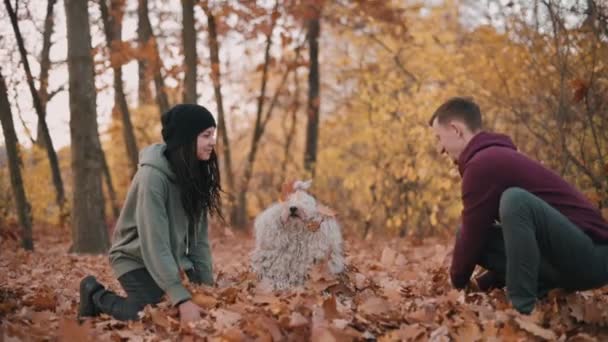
pixel 292 235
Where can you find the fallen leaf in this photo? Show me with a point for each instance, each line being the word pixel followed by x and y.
pixel 160 318
pixel 360 281
pixel 582 337
pixel 297 320
pixel 70 330
pixel 330 308
pixel 271 326
pixel 388 257
pixel 204 301
pixel 325 210
pixel 535 329
pixel 322 335
pixel 42 301
pixel 373 306
pixel 468 332
pixel 224 318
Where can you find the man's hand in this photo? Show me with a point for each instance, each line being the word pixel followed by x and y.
pixel 189 312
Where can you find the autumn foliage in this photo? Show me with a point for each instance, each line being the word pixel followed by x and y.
pixel 392 291
pixel 538 69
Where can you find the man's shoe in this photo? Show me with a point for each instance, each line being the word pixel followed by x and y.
pixel 88 286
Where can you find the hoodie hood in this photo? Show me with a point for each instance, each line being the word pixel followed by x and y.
pixel 154 156
pixel 481 141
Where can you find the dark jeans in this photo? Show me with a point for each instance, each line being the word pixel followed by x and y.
pixel 141 290
pixel 537 249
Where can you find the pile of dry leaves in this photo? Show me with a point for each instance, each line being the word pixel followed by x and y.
pixel 394 290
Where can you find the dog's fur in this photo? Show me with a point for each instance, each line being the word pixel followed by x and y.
pixel 292 235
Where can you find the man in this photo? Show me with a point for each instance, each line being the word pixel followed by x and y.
pixel 522 222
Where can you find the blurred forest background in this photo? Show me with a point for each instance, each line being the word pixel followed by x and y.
pixel 340 91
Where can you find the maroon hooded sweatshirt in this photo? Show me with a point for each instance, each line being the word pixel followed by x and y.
pixel 489 165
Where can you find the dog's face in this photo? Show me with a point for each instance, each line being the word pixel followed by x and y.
pixel 299 206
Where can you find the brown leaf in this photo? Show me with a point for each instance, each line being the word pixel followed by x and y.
pixel 330 308
pixel 160 318
pixel 404 333
pixel 469 331
pixel 580 88
pixel 43 317
pixel 42 300
pixel 388 257
pixel 582 337
pixel 204 301
pixel 70 330
pixel 593 312
pixel 322 334
pixel 313 226
pixel 325 210
pixel 270 325
pixel 535 329
pixel 424 315
pixel 225 319
pixel 229 295
pixel 373 306
pixel 297 320
pixel 265 298
pixel 490 331
pixel 229 335
pixel 286 189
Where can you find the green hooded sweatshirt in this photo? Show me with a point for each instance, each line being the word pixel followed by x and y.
pixel 152 230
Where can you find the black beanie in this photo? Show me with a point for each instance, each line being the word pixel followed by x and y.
pixel 183 123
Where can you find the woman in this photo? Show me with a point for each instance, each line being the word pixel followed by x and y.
pixel 162 227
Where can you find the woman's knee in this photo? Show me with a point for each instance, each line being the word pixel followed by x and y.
pixel 511 201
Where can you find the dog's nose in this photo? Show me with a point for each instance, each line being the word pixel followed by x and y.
pixel 293 209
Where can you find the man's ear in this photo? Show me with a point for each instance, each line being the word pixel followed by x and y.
pixel 458 128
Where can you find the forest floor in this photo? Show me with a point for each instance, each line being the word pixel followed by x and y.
pixel 393 290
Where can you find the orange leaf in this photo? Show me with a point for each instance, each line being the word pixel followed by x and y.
pixel 325 210
pixel 374 306
pixel 580 88
pixel 204 300
pixel 535 329
pixel 70 330
pixel 313 226
pixel 286 189
pixel 330 308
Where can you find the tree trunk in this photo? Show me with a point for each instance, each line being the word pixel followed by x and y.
pixel 50 150
pixel 223 145
pixel 189 41
pixel 107 176
pixel 45 65
pixel 260 123
pixel 291 133
pixel 155 62
pixel 241 215
pixel 88 225
pixel 143 36
pixel 14 164
pixel 112 28
pixel 312 128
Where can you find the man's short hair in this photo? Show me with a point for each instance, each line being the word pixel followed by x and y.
pixel 460 108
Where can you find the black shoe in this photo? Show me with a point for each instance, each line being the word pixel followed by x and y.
pixel 88 286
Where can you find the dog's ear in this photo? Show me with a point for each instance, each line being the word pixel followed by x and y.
pixel 287 189
pixel 302 185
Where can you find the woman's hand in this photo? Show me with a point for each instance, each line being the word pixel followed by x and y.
pixel 189 312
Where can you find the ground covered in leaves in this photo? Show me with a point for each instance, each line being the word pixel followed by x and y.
pixel 394 290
